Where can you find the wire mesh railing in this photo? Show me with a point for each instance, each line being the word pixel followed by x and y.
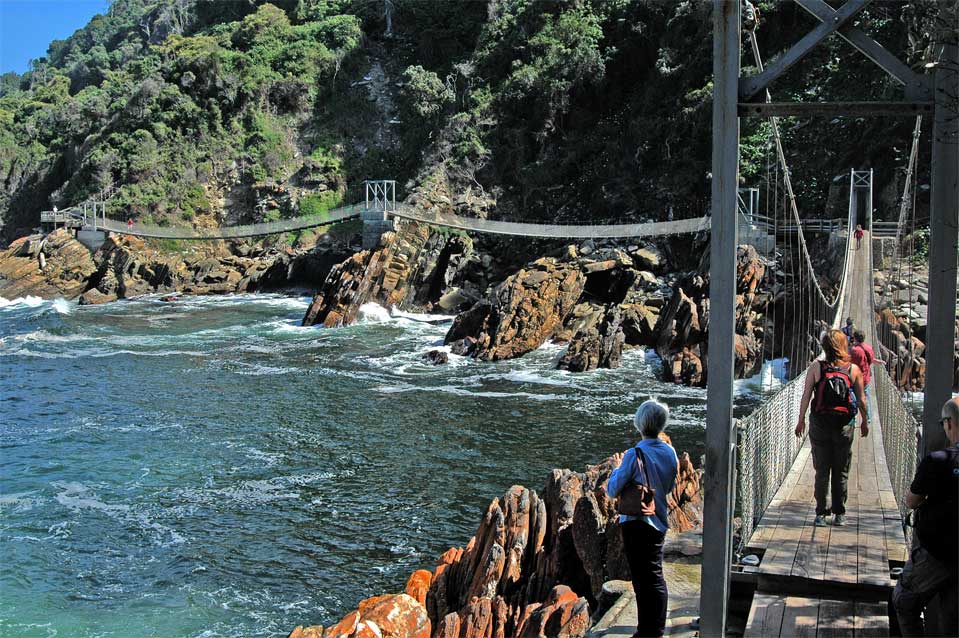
pixel 899 437
pixel 765 450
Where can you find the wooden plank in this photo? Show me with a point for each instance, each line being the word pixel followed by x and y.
pixel 766 529
pixel 796 514
pixel 836 619
pixel 896 549
pixel 765 615
pixel 873 560
pixel 812 552
pixel 871 620
pixel 800 617
pixel 887 499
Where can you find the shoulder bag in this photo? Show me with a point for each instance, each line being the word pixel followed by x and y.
pixel 638 500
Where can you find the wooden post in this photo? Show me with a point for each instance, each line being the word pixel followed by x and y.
pixel 943 246
pixel 717 514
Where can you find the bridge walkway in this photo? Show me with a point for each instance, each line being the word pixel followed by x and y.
pixel 75 216
pixel 819 581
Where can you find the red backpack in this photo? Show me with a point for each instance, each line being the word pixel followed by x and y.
pixel 834 394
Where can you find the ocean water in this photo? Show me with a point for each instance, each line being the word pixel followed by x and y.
pixel 209 468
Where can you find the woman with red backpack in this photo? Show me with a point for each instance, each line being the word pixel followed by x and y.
pixel 834 386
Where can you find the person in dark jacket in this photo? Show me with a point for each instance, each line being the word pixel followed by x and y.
pixel 933 566
pixel 643 538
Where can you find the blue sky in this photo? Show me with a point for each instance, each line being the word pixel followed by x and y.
pixel 28 26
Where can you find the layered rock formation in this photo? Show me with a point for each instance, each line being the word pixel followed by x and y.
pixel 522 312
pixel 682 328
pixel 536 564
pixel 596 300
pixel 413 264
pixel 55 266
pixel 123 267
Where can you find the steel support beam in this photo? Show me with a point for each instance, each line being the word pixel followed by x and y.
pixel 834 109
pixel 718 486
pixel 916 85
pixel 752 85
pixel 943 246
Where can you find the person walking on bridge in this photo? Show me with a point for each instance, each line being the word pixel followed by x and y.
pixel 654 463
pixel 933 565
pixel 863 356
pixel 837 384
pixel 858 235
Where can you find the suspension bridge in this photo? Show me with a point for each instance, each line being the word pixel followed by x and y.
pixel 76 218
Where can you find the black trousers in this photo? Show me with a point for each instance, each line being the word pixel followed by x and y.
pixel 644 553
pixel 831 458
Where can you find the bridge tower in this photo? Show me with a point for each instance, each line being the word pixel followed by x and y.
pixel 380 203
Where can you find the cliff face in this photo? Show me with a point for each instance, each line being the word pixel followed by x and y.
pixel 535 566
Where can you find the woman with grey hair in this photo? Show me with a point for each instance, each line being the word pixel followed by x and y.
pixel 643 537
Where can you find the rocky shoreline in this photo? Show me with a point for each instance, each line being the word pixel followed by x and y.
pixel 535 567
pixel 596 299
pixel 57 265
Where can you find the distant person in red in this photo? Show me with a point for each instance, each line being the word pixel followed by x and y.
pixel 863 356
pixel 858 235
pixel 130 224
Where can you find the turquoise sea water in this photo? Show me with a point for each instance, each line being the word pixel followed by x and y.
pixel 209 468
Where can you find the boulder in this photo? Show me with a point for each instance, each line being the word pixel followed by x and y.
pixel 418 584
pixel 648 258
pixel 436 357
pixel 521 313
pixel 93 297
pixel 599 346
pixel 390 616
pixel 639 324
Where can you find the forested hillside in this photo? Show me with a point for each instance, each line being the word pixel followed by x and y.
pixel 206 112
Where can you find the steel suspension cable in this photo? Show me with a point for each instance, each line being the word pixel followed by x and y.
pixel 837 301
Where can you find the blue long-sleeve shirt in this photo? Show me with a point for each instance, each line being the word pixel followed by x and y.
pixel 662 465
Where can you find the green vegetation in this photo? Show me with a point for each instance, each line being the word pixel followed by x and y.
pixel 596 108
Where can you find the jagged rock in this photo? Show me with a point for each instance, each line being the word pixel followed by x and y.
pixel 522 312
pixel 639 324
pixel 682 328
pixel 600 346
pixel 436 357
pixel 68 266
pixel 535 564
pixel 93 297
pixel 411 258
pixel 390 616
pixel 313 631
pixel 648 258
pixel 418 584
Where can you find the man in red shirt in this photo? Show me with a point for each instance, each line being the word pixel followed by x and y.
pixel 863 356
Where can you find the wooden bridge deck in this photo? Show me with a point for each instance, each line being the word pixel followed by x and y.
pixel 831 581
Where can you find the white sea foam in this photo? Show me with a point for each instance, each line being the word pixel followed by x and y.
pixel 78 496
pixel 373 313
pixel 62 306
pixel 422 317
pixel 28 302
pixel 770 378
